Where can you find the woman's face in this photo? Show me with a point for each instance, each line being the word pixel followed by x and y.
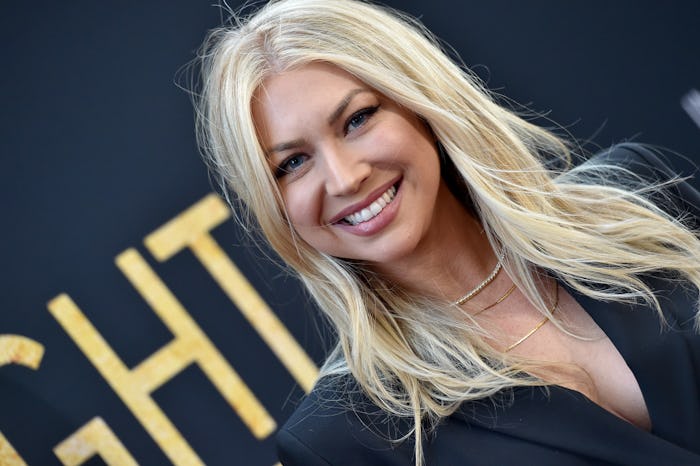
pixel 359 174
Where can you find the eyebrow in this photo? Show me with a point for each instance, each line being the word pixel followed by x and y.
pixel 286 146
pixel 331 120
pixel 344 104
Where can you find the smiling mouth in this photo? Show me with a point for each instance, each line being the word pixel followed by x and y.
pixel 373 209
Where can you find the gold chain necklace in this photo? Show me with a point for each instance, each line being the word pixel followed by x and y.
pixel 498 301
pixel 538 326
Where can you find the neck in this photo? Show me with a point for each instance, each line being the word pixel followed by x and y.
pixel 454 257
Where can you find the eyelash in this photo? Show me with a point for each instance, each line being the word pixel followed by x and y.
pixel 365 112
pixel 283 168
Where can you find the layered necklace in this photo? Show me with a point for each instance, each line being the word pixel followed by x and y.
pixel 541 323
pixel 480 287
pixel 492 276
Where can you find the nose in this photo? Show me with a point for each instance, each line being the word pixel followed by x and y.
pixel 345 171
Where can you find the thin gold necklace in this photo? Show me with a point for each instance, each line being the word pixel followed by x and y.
pixel 538 326
pixel 498 301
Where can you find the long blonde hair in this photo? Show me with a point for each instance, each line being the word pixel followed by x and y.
pixel 411 355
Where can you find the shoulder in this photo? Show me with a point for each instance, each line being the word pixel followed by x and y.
pixel 337 425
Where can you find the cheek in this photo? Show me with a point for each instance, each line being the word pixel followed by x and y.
pixel 407 137
pixel 303 208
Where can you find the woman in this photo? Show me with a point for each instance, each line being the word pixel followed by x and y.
pixel 478 285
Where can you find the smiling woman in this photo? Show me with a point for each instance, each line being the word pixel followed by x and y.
pixel 354 160
pixel 458 255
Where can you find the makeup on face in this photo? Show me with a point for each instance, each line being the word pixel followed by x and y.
pixel 359 174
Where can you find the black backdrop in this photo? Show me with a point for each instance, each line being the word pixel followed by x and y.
pixel 98 152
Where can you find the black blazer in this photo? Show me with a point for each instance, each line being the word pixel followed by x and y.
pixel 337 425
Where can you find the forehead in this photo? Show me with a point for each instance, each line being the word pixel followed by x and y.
pixel 303 82
pixel 295 97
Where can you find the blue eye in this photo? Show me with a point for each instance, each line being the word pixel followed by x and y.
pixel 359 118
pixel 290 165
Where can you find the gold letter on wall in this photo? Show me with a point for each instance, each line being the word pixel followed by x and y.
pixel 16 349
pixel 8 455
pixel 94 438
pixel 191 229
pixel 189 345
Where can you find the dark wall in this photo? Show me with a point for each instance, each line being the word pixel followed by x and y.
pixel 98 152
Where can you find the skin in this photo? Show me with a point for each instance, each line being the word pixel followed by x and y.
pixel 336 151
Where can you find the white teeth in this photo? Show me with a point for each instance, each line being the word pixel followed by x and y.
pixel 373 209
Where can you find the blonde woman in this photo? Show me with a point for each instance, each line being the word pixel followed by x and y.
pixel 492 304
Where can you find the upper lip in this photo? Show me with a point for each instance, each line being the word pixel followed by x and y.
pixel 371 197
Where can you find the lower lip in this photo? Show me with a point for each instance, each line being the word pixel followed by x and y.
pixel 378 222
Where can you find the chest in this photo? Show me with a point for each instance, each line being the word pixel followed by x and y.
pixel 608 381
pixel 632 382
pixel 586 360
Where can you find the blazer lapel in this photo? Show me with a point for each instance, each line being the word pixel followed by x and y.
pixel 566 420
